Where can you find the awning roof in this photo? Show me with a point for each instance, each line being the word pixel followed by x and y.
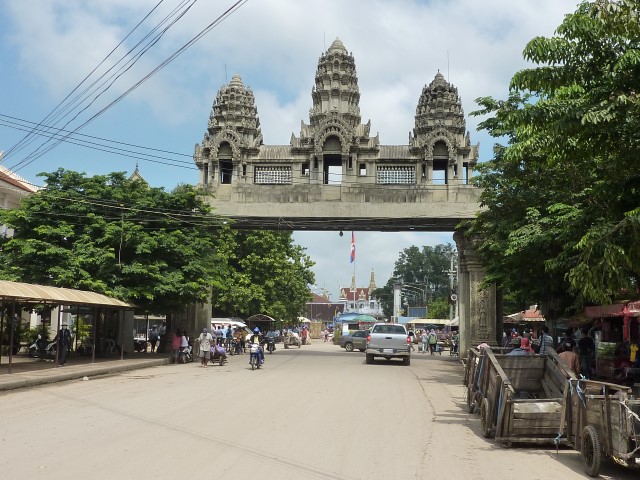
pixel 36 294
pixel 598 311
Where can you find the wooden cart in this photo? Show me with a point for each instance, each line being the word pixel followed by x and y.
pixel 522 397
pixel 475 365
pixel 471 370
pixel 602 419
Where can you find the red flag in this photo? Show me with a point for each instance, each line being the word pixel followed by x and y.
pixel 353 247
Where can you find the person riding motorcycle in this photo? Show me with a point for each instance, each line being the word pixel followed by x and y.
pixel 256 340
pixel 271 340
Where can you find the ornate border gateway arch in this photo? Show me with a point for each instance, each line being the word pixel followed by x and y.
pixel 335 176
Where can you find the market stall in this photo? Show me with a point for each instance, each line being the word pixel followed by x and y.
pixel 615 330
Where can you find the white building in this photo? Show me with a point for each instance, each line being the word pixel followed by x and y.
pixel 359 300
pixel 13 188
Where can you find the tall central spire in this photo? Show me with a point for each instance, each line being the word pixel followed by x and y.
pixel 336 89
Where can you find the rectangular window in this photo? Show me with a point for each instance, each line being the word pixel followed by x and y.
pixel 305 169
pixel 362 171
pixel 396 175
pixel 272 176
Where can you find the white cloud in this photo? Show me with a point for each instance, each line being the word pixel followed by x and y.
pixel 398 47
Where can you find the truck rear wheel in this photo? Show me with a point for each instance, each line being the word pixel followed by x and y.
pixel 369 359
pixel 406 361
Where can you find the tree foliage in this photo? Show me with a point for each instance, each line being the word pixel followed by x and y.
pixel 117 237
pixel 425 272
pixel 161 251
pixel 562 197
pixel 266 274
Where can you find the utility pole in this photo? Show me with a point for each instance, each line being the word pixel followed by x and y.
pixel 452 280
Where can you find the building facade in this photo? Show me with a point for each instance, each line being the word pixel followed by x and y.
pixel 360 300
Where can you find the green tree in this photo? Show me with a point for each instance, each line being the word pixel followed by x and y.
pixel 118 237
pixel 426 270
pixel 438 308
pixel 266 274
pixel 562 220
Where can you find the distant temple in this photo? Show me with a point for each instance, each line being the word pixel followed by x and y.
pixel 359 300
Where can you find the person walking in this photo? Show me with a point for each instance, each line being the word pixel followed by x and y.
pixel 204 340
pixel 546 342
pixel 586 350
pixel 153 338
pixel 424 338
pixel 569 357
pixel 175 345
pixel 433 341
pixel 64 343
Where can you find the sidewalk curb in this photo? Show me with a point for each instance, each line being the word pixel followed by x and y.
pixel 75 373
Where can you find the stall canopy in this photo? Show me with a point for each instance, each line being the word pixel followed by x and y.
pixel 599 311
pixel 41 294
pixel 228 321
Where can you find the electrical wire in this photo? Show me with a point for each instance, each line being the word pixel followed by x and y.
pixel 111 79
pixel 23 142
pixel 239 3
pixel 102 145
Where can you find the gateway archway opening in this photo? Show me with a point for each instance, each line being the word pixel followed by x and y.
pixel 332 166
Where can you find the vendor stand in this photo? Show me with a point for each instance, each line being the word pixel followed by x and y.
pixel 615 330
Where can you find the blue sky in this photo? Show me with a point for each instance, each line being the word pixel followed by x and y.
pixel 48 46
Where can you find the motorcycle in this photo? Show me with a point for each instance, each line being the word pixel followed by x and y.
pixel 185 355
pixel 292 339
pixel 39 350
pixel 254 356
pixel 139 345
pixel 235 348
pixel 271 344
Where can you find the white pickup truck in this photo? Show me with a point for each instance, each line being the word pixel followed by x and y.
pixel 388 340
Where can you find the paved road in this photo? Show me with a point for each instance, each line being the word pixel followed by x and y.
pixel 310 413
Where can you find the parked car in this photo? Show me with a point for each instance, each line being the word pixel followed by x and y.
pixel 355 340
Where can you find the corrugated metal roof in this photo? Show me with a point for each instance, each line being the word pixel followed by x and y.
pixel 30 293
pixel 394 152
pixel 274 152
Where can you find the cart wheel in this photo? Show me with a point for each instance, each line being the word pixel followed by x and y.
pixel 591 451
pixel 485 421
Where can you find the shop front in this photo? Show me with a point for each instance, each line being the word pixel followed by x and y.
pixel 615 330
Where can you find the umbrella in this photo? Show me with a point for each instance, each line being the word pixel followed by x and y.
pixel 304 320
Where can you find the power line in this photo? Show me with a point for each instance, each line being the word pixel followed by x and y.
pixel 23 142
pixel 102 144
pixel 35 155
pixel 114 77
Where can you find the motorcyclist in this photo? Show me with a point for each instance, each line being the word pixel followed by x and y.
pixel 271 338
pixel 255 340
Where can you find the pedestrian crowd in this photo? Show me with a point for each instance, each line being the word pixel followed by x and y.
pixel 578 354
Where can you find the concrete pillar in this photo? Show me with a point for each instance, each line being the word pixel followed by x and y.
pixel 478 321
